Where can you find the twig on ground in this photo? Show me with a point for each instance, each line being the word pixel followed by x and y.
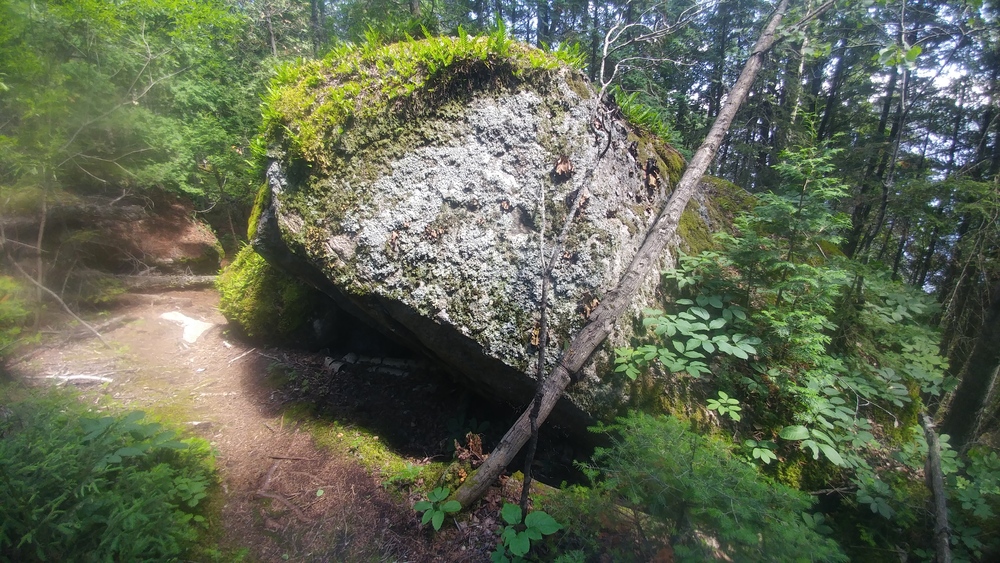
pixel 240 356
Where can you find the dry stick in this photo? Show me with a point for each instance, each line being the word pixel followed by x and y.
pixel 603 319
pixel 935 480
pixel 58 299
pixel 543 335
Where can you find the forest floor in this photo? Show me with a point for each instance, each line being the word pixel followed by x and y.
pixel 294 484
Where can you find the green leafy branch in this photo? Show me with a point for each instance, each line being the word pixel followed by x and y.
pixel 436 507
pixel 689 338
pixel 725 405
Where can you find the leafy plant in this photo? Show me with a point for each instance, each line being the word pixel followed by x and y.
pixel 725 405
pixel 692 489
pixel 762 450
pixel 517 536
pixel 689 338
pixel 14 312
pixel 111 487
pixel 436 507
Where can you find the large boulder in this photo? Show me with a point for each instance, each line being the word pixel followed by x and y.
pixel 423 184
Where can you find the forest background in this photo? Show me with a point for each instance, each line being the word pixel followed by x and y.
pixel 899 101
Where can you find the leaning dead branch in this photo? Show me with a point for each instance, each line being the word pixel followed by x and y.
pixel 616 301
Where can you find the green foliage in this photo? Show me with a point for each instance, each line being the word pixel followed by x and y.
pixel 688 339
pixel 264 301
pixel 644 117
pixel 436 507
pixel 694 490
pixel 102 487
pixel 128 94
pixel 841 360
pixel 725 405
pixel 14 312
pixel 517 536
pixel 974 502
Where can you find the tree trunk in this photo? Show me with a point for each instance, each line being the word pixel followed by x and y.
pixel 615 302
pixel 976 378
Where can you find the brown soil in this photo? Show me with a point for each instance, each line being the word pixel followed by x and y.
pixel 271 471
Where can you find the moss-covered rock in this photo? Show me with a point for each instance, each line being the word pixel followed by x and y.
pixel 265 302
pixel 423 184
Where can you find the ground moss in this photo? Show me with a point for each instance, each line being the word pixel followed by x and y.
pixel 264 301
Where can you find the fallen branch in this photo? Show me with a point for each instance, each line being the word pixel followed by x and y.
pixel 295 510
pixel 935 481
pixel 58 300
pixel 264 493
pixel 80 377
pixel 616 301
pixel 240 356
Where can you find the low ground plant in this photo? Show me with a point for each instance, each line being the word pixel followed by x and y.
pixel 107 488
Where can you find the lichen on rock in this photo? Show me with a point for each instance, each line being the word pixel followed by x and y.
pixel 423 184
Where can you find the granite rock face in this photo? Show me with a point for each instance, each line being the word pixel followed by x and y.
pixel 433 226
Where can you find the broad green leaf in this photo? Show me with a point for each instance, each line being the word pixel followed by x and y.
pixel 543 522
pixel 794 433
pixel 438 519
pixel 832 454
pixel 520 544
pixel 511 513
pixel 451 506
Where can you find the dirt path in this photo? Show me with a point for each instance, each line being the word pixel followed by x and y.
pixel 285 499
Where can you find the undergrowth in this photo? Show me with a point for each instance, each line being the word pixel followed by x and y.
pixel 99 487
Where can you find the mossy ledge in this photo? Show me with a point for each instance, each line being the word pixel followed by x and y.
pixel 311 104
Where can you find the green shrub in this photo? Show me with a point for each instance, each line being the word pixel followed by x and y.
pixel 14 312
pixel 692 490
pixel 264 301
pixel 99 488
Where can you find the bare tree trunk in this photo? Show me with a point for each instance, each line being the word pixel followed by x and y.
pixel 270 31
pixel 960 422
pixel 935 481
pixel 615 302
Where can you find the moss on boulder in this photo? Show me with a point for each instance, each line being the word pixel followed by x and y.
pixel 422 184
pixel 265 302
